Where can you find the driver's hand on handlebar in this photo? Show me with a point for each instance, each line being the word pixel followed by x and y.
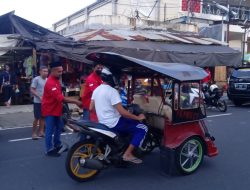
pixel 141 117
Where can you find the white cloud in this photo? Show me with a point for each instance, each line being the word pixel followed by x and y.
pixel 45 12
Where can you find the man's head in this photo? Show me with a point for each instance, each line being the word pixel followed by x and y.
pixel 56 69
pixel 107 77
pixel 43 71
pixel 6 67
pixel 98 68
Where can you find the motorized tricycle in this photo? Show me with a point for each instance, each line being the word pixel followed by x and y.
pixel 176 123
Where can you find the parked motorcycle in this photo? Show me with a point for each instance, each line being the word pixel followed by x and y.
pixel 212 97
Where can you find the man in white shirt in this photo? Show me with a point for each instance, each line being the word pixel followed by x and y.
pixel 110 112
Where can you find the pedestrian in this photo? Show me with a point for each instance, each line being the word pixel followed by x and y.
pixel 37 89
pixel 7 85
pixel 208 78
pixel 52 105
pixel 92 82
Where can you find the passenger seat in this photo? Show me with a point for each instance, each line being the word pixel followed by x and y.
pixel 153 104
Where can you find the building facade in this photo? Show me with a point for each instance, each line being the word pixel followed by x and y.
pixel 182 15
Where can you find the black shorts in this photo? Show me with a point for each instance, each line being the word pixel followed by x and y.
pixel 37 110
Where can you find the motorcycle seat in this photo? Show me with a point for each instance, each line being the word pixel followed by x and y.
pixel 88 123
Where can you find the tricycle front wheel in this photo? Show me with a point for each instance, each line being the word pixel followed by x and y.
pixel 190 155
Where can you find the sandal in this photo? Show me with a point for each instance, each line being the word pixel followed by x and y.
pixel 41 135
pixel 133 160
pixel 34 137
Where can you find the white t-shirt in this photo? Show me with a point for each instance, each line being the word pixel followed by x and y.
pixel 105 97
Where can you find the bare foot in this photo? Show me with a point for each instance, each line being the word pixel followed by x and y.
pixel 132 159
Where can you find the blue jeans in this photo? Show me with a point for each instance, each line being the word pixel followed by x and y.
pixel 86 114
pixel 135 128
pixel 54 126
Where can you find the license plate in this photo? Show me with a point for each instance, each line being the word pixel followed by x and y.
pixel 241 86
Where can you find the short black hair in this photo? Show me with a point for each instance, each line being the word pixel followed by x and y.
pixel 42 67
pixel 96 63
pixel 55 64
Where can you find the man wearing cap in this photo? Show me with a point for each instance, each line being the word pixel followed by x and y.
pixel 52 105
pixel 92 82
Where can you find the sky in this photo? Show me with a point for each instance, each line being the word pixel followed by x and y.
pixel 43 12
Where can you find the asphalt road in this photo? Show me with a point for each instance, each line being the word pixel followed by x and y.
pixel 23 164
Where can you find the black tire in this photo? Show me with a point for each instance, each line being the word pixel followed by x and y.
pixel 237 102
pixel 189 155
pixel 80 150
pixel 222 105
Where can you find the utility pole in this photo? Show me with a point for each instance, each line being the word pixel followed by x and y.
pixel 246 27
pixel 165 11
pixel 228 22
pixel 188 16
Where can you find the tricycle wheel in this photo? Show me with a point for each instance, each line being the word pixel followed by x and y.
pixel 190 155
pixel 82 149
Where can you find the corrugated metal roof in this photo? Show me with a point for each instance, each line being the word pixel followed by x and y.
pixel 143 35
pixel 215 41
pixel 199 41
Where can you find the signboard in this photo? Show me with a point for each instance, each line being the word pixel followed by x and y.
pixel 191 5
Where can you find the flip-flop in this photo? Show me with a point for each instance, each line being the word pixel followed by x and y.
pixel 41 136
pixel 133 160
pixel 34 138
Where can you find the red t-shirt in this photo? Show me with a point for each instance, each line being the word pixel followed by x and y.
pixel 92 82
pixel 52 101
pixel 208 78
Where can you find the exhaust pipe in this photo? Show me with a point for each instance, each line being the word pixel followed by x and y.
pixel 91 164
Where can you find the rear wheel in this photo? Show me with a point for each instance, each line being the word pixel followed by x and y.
pixel 190 155
pixel 222 105
pixel 81 150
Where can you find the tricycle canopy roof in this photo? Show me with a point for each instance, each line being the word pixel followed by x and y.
pixel 121 63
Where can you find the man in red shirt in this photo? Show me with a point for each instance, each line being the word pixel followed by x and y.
pixel 92 82
pixel 208 78
pixel 52 105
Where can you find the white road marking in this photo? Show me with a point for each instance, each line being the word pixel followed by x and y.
pixel 10 128
pixel 30 138
pixel 23 139
pixel 219 115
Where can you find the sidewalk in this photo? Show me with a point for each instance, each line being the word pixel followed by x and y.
pixel 18 116
pixel 16 109
pixel 22 109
